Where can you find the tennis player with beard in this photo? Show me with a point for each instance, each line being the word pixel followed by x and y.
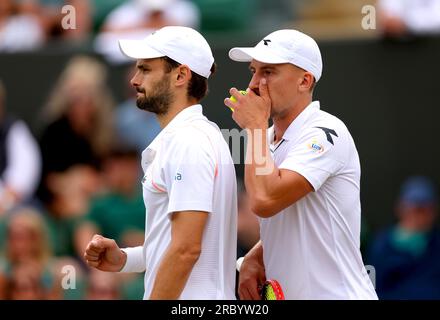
pixel 189 183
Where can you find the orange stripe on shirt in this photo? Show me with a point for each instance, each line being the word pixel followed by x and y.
pixel 157 187
pixel 213 149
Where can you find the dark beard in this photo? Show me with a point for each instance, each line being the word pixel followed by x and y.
pixel 159 100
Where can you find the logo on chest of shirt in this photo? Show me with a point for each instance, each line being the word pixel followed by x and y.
pixel 178 177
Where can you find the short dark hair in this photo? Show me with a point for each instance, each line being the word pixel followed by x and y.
pixel 198 85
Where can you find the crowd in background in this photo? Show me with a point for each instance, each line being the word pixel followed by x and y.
pixel 32 24
pixel 78 178
pixel 81 175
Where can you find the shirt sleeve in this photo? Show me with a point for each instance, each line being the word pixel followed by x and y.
pixel 135 260
pixel 318 154
pixel 190 174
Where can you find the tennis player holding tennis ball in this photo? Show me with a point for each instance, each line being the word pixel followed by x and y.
pixel 189 183
pixel 308 202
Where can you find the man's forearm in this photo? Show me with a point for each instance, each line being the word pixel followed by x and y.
pixel 172 275
pixel 260 169
pixel 256 253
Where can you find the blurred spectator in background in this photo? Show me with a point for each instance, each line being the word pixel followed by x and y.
pixel 77 136
pixel 152 14
pixel 80 107
pixel 26 269
pixel 75 140
pixel 119 213
pixel 114 286
pixel 407 256
pixel 83 19
pixel 133 126
pixel 20 159
pixel 103 286
pixel 21 25
pixel 400 18
pixel 137 18
pixel 52 15
pixel 25 284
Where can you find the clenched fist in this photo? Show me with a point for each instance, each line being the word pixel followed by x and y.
pixel 104 254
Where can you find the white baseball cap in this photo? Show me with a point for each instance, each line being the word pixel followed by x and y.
pixel 284 46
pixel 182 44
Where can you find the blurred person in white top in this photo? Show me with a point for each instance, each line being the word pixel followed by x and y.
pixel 302 176
pixel 21 27
pixel 399 18
pixel 20 159
pixel 135 18
pixel 189 183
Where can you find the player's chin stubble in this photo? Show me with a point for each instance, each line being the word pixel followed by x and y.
pixel 159 100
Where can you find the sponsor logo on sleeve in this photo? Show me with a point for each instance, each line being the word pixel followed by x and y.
pixel 315 146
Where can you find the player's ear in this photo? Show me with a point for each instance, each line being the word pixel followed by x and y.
pixel 306 82
pixel 183 74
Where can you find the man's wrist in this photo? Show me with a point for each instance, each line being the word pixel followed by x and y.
pixel 124 259
pixel 257 126
pixel 256 253
pixel 256 134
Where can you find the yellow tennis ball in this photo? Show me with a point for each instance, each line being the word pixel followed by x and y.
pixel 232 98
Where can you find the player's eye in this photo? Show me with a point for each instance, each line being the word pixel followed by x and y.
pixel 143 69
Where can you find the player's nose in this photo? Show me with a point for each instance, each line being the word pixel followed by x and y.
pixel 254 83
pixel 134 82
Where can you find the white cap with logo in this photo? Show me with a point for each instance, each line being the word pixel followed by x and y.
pixel 182 44
pixel 284 46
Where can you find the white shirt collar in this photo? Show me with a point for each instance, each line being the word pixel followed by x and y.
pixel 295 127
pixel 184 115
pixel 189 113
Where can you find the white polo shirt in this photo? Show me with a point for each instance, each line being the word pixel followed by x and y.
pixel 189 167
pixel 312 246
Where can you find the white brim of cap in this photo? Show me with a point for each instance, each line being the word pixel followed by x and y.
pixel 138 49
pixel 259 54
